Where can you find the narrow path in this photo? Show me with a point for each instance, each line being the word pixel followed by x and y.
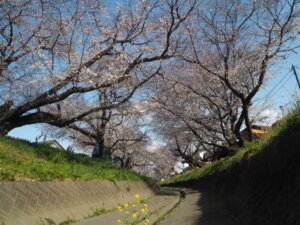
pixel 199 208
pixel 157 206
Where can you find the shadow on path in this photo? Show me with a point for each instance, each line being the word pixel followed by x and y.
pixel 200 207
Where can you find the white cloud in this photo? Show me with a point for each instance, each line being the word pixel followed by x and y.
pixel 270 116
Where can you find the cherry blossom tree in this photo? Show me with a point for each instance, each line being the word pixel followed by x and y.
pixel 193 113
pixel 115 130
pixel 55 51
pixel 203 102
pixel 237 42
pixel 157 163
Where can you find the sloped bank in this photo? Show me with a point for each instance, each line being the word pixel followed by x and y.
pixel 266 188
pixel 261 182
pixel 263 188
pixel 29 202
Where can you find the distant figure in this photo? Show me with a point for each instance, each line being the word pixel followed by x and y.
pixel 98 151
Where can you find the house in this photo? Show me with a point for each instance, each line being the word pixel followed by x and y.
pixel 54 144
pixel 205 156
pixel 179 168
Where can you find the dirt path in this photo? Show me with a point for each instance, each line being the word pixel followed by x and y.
pixel 199 209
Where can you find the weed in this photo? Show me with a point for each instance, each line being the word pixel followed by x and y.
pixel 99 211
pixel 68 221
pixel 182 194
pixel 157 210
pixel 117 186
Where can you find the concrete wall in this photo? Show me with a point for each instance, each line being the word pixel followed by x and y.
pixel 27 202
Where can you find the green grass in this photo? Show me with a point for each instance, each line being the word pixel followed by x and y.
pixel 23 160
pixel 68 221
pixel 290 122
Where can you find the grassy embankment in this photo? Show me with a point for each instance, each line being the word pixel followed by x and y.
pixel 261 182
pixel 246 153
pixel 22 160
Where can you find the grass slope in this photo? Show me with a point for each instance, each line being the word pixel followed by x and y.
pixel 250 150
pixel 22 160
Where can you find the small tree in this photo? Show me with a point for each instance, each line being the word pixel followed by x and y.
pixel 115 130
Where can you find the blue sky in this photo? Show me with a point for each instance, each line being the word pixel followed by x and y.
pixel 283 85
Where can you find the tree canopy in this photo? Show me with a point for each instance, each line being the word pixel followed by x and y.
pixel 76 65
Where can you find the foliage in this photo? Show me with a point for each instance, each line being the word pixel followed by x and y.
pixel 22 160
pixel 287 124
pixel 57 54
pixel 204 98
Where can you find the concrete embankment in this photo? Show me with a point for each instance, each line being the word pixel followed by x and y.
pixel 29 202
pixel 157 208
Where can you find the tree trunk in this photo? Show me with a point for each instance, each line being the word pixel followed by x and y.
pixel 248 124
pixel 5 128
pixel 98 151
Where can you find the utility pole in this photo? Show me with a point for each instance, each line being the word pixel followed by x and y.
pixel 295 73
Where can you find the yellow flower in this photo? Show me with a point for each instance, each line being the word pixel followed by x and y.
pixel 138 202
pixel 127 212
pixel 126 205
pixel 134 215
pixel 120 209
pixel 142 210
pixel 137 196
pixel 145 205
pixel 133 205
pixel 119 221
pixel 146 221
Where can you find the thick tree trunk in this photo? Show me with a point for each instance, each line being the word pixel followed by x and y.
pixel 244 117
pixel 125 163
pixel 6 127
pixel 99 149
pixel 248 124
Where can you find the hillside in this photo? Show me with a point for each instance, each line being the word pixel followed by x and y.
pixel 261 183
pixel 22 160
